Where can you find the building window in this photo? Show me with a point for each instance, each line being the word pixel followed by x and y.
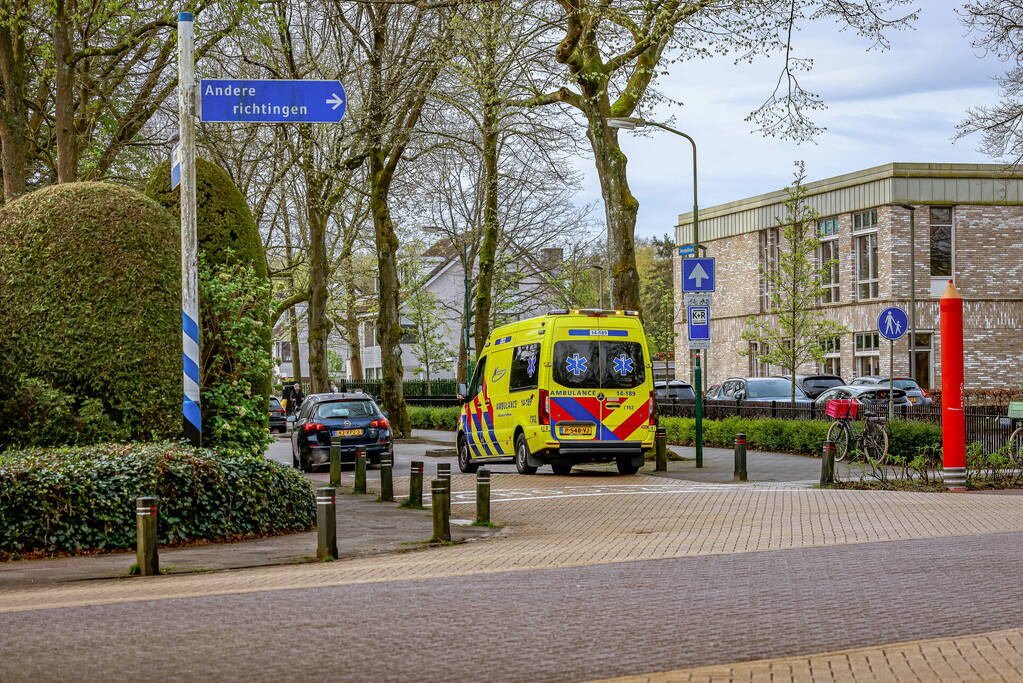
pixel 409 334
pixel 827 227
pixel 831 364
pixel 867 354
pixel 368 333
pixel 769 240
pixel 827 261
pixel 866 266
pixel 757 367
pixel 923 351
pixel 865 220
pixel 941 241
pixel 284 351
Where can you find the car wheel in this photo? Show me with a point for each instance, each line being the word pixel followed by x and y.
pixel 625 465
pixel 465 463
pixel 522 456
pixel 304 463
pixel 294 459
pixel 562 469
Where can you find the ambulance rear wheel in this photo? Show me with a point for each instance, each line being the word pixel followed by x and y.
pixel 522 456
pixel 562 469
pixel 465 463
pixel 625 465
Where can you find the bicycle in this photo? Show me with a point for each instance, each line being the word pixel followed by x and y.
pixel 1016 440
pixel 872 439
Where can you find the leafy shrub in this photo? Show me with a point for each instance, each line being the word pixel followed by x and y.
pixel 89 298
pixel 83 498
pixel 423 417
pixel 233 369
pixel 235 334
pixel 908 439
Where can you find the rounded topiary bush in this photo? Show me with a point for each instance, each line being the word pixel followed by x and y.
pixel 89 308
pixel 234 307
pixel 83 498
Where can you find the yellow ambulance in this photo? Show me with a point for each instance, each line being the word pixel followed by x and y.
pixel 570 387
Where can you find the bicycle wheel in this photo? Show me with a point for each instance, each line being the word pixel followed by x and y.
pixel 838 434
pixel 875 442
pixel 1016 446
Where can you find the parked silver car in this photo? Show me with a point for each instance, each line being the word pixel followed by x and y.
pixel 758 389
pixel 870 396
pixel 914 394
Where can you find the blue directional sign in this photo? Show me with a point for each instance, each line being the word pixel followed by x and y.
pixel 892 323
pixel 698 275
pixel 699 326
pixel 175 161
pixel 276 101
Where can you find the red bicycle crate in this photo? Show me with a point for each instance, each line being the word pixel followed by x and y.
pixel 840 408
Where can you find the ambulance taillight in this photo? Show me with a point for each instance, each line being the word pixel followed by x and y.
pixel 652 420
pixel 543 407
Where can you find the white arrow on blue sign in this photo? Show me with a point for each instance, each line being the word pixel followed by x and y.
pixel 698 275
pixel 271 101
pixel 892 323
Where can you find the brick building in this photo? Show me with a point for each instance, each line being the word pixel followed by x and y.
pixel 969 227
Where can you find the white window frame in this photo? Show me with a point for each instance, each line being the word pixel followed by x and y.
pixel 770 256
pixel 758 368
pixel 831 364
pixel 860 354
pixel 938 282
pixel 831 287
pixel 871 280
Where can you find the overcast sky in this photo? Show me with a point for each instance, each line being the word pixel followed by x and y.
pixel 900 105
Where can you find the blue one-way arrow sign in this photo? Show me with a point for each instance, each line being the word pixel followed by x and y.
pixel 698 275
pixel 274 101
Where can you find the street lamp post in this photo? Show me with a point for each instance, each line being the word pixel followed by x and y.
pixel 912 289
pixel 600 285
pixel 631 123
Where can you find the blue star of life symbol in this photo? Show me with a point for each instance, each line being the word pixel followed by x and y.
pixel 531 366
pixel 623 365
pixel 577 364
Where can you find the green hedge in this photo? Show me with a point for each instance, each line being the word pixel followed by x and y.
pixel 794 436
pixel 434 418
pixel 90 292
pixel 83 498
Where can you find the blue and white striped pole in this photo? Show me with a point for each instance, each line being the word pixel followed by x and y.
pixel 190 407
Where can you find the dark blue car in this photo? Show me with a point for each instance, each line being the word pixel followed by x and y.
pixel 351 420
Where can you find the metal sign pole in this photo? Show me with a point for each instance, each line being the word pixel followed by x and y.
pixel 891 380
pixel 190 408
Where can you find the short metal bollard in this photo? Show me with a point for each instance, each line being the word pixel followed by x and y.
pixel 386 476
pixel 828 463
pixel 335 464
pixel 444 474
pixel 661 449
pixel 146 554
pixel 360 471
pixel 441 514
pixel 483 496
pixel 740 458
pixel 415 485
pixel 326 524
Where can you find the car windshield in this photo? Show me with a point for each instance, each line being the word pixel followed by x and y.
pixel 822 383
pixel 275 404
pixel 768 388
pixel 349 409
pixel 905 384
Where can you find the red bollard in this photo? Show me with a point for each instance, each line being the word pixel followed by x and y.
pixel 953 419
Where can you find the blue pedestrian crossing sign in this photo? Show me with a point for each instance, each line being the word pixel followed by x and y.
pixel 698 275
pixel 892 323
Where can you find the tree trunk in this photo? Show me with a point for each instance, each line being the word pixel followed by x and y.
pixel 64 116
pixel 389 320
pixel 14 116
pixel 319 326
pixel 351 324
pixel 461 358
pixel 296 355
pixel 491 227
pixel 620 209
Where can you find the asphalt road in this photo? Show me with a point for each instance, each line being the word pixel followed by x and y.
pixel 541 625
pixel 404 454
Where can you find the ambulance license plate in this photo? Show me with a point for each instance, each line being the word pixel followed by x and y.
pixel 576 430
pixel 348 432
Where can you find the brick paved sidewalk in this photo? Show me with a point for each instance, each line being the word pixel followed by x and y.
pixel 994 656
